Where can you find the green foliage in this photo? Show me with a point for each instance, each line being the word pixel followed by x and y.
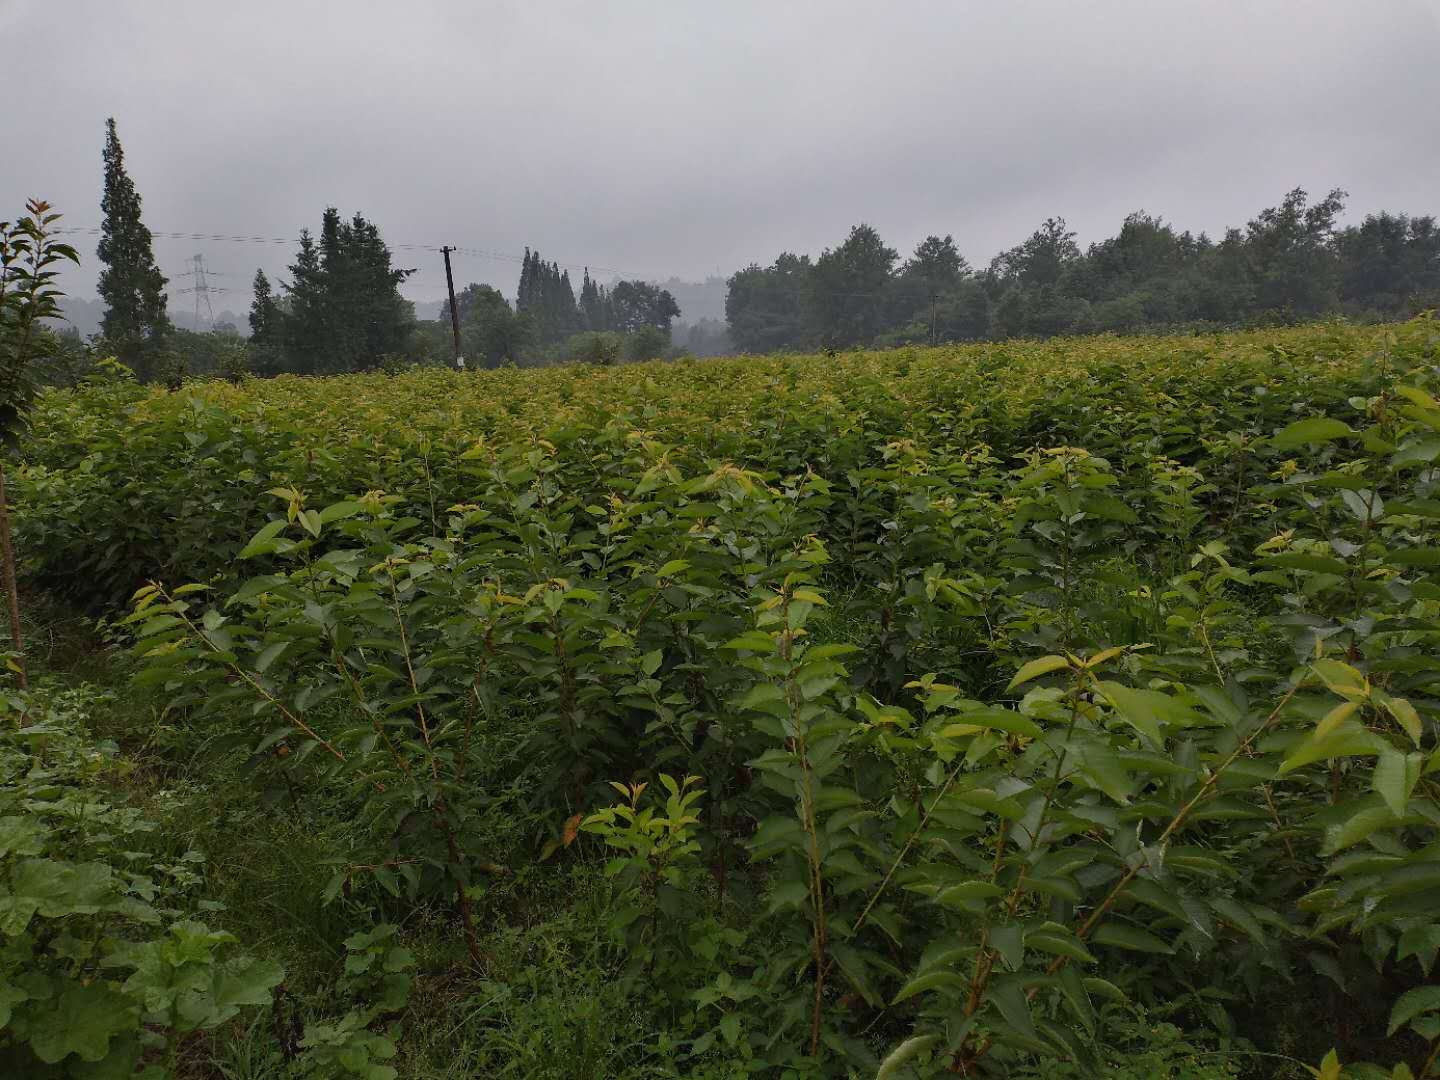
pixel 343 310
pixel 658 860
pixel 28 296
pixel 1061 711
pixel 1291 262
pixel 376 978
pixel 102 972
pixel 131 285
pixel 599 347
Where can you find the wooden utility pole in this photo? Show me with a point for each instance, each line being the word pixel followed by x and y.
pixel 933 298
pixel 454 311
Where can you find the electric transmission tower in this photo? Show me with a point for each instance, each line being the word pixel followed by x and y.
pixel 202 289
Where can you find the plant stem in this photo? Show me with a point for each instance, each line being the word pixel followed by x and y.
pixel 1181 816
pixel 909 843
pixel 12 597
pixel 1429 1061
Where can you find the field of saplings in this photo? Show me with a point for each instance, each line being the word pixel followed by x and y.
pixel 1055 709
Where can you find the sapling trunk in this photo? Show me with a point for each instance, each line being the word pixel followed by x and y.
pixel 12 596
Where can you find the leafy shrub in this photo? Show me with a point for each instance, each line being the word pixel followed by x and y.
pixel 101 971
pixel 1034 693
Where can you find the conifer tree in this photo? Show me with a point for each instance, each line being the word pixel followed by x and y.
pixel 594 305
pixel 546 296
pixel 305 325
pixel 346 311
pixel 524 292
pixel 131 285
pixel 264 315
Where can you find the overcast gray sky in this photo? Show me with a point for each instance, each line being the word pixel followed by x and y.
pixel 687 138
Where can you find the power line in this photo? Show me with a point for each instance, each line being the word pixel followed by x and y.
pixel 482 253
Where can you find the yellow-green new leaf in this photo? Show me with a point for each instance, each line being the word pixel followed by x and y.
pixel 1035 668
pixel 902 1054
pixel 1406 716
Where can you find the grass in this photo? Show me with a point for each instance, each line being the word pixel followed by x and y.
pixel 549 1002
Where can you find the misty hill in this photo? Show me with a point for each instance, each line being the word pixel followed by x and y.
pixel 698 299
pixel 85 315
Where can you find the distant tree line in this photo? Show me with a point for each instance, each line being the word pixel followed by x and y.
pixel 1290 263
pixel 548 323
pixel 341 309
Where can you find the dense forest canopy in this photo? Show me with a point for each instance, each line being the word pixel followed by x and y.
pixel 1291 262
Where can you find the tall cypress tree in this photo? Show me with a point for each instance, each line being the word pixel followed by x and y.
pixel 264 314
pixel 547 297
pixel 306 324
pixel 591 305
pixel 524 292
pixel 131 285
pixel 367 290
pixel 343 301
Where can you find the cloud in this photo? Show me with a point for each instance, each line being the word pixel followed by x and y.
pixel 692 138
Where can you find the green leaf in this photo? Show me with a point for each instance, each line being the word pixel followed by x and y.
pixel 1315 564
pixel 730 1028
pixel 248 983
pixel 1316 430
pixel 1412 1003
pixel 933 980
pixel 1415 557
pixel 1237 914
pixel 82 1022
pixel 10 996
pixel 336 511
pixel 263 542
pixel 1124 936
pixel 1416 452
pixel 788 895
pixel 1104 988
pixel 1349 739
pixel 269 655
pixel 1361 822
pixel 1391 780
pixel 760 695
pixel 898 1058
pixel 1141 709
pixel 966 893
pixel 1072 985
pixel 21 836
pixel 1001 719
pixel 753 640
pixel 1009 943
pixel 1418 940
pixel 1035 668
pixel 1008 995
pixel 1406 716
pixel 1057 944
pixel 1102 766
